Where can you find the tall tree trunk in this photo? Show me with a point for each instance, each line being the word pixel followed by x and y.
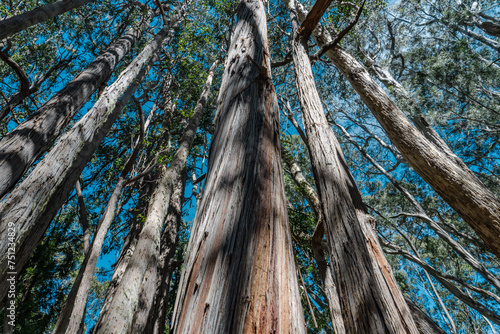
pixel 38 15
pixel 30 140
pixel 316 241
pixel 73 312
pixel 446 174
pixel 425 324
pixel 118 316
pixel 370 298
pixel 33 204
pixel 239 274
pixel 130 241
pixel 158 315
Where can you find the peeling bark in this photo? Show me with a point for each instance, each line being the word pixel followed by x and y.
pixel 239 274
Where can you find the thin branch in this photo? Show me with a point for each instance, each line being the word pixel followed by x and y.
pixel 341 35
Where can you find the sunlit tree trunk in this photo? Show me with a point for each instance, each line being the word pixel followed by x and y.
pixel 131 295
pixel 239 274
pixel 38 15
pixel 370 299
pixel 26 143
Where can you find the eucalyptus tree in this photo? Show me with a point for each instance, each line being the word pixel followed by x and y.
pixel 26 143
pixel 239 272
pixel 344 214
pixel 71 316
pixel 157 319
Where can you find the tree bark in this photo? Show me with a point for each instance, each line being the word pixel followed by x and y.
pixel 33 204
pixel 18 23
pixel 26 143
pixel 370 299
pixel 446 174
pixel 239 274
pixel 158 315
pixel 118 316
pixel 421 214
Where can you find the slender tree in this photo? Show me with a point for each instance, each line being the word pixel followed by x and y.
pixel 239 274
pixel 33 204
pixel 73 312
pixel 142 267
pixel 370 299
pixel 157 319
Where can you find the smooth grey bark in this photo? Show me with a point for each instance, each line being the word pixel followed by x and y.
pixel 33 204
pixel 30 140
pixel 239 273
pixel 446 174
pixel 370 299
pixel 157 319
pixel 117 317
pixel 18 23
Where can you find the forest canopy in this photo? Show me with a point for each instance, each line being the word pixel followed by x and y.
pixel 250 166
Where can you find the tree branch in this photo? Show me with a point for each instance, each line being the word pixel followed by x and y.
pixel 341 35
